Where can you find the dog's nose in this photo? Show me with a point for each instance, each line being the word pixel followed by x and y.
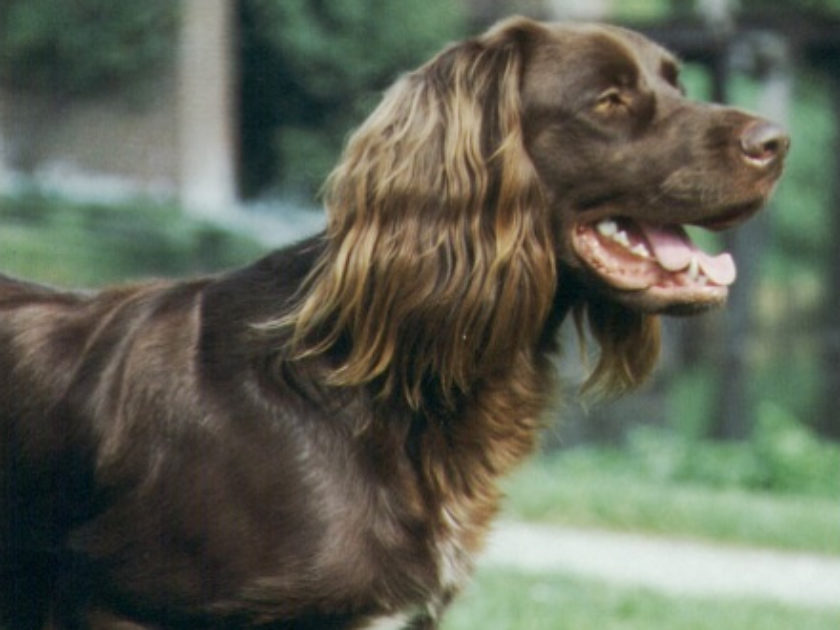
pixel 764 142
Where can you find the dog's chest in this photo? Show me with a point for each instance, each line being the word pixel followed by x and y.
pixel 453 553
pixel 454 562
pixel 456 532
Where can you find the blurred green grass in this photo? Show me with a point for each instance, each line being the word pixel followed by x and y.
pixel 554 492
pixel 48 239
pixel 623 490
pixel 506 600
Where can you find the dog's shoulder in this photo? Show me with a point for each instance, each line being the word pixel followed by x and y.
pixel 261 290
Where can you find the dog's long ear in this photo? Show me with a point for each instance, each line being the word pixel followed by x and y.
pixel 439 267
pixel 629 342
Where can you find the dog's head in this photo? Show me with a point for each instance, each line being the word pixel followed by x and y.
pixel 626 161
pixel 530 170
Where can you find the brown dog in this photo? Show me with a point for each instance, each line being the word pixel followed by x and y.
pixel 313 442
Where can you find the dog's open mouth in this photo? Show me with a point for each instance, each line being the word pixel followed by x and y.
pixel 657 264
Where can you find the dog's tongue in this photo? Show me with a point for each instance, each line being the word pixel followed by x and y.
pixel 674 250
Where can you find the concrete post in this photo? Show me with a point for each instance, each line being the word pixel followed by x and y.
pixel 4 174
pixel 207 107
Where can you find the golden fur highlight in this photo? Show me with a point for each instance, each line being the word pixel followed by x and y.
pixel 440 260
pixel 629 341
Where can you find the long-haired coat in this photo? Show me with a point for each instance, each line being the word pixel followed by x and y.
pixel 313 442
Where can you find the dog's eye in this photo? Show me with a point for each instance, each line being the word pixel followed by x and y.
pixel 670 71
pixel 609 101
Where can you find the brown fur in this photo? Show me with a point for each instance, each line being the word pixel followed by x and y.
pixel 314 441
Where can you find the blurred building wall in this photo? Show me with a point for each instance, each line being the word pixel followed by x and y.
pixel 115 141
pixel 171 136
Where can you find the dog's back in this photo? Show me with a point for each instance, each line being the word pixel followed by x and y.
pixel 153 463
pixel 65 361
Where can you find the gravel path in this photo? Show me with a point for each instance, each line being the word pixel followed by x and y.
pixel 675 567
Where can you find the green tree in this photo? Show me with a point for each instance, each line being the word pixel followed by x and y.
pixel 312 69
pixel 84 45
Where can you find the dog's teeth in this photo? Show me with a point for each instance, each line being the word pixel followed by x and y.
pixel 622 239
pixel 607 227
pixel 694 269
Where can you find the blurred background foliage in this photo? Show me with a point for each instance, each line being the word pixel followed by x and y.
pixel 89 244
pixel 313 70
pixel 310 70
pixel 84 46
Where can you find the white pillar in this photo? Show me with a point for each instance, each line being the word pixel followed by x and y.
pixel 716 10
pixel 4 174
pixel 579 9
pixel 207 109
